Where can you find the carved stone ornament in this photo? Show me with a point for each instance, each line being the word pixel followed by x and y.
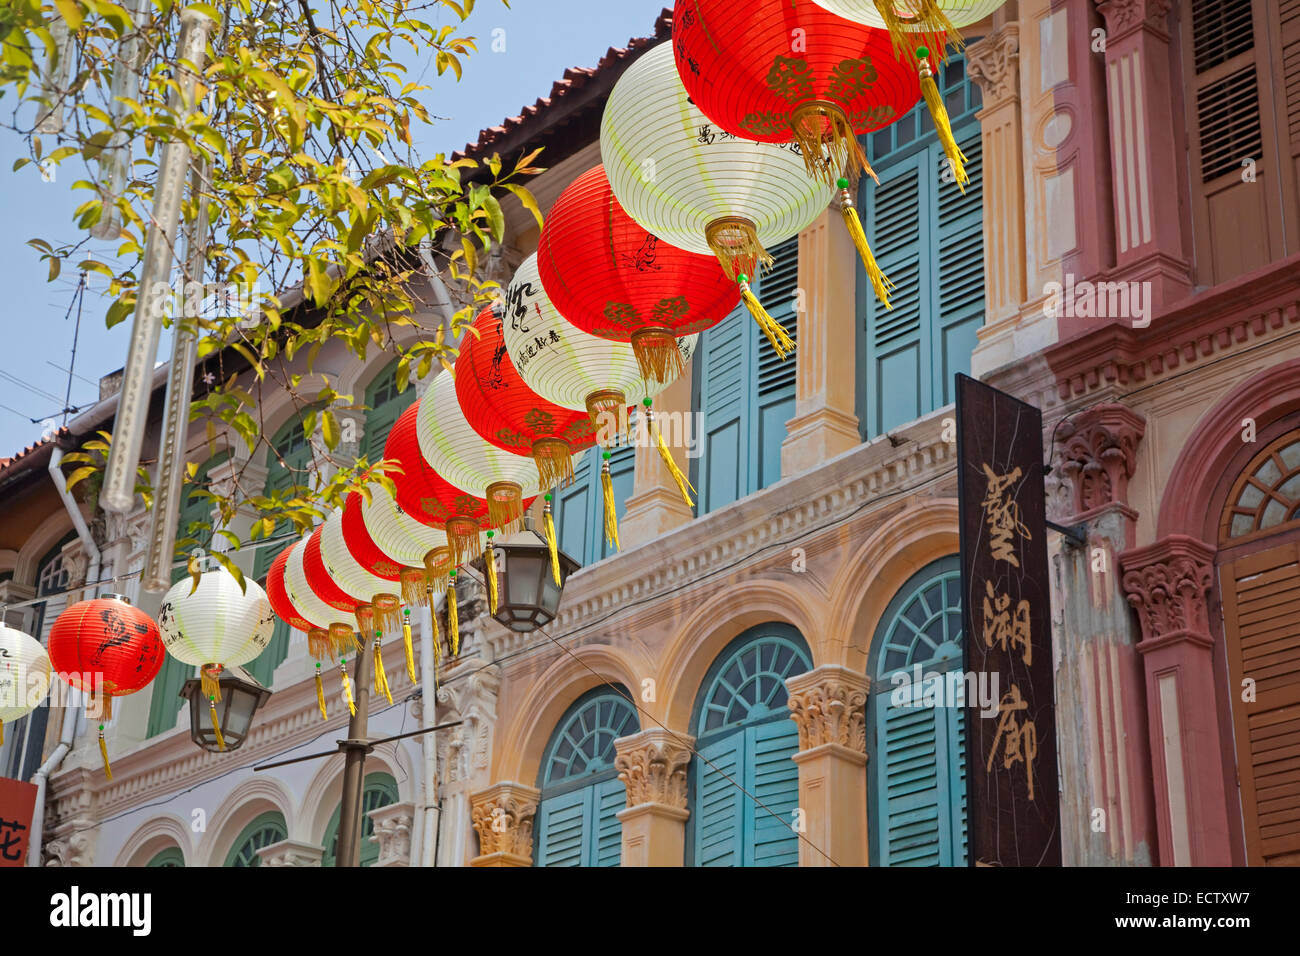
pixel 652 766
pixel 993 63
pixel 393 833
pixel 829 705
pixel 1097 454
pixel 290 853
pixel 1167 583
pixel 503 818
pixel 1122 16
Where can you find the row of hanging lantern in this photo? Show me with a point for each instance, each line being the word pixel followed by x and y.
pixel 717 146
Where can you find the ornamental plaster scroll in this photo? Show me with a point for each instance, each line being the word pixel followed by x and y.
pixel 291 853
pixel 1168 584
pixel 393 825
pixel 1098 454
pixel 503 817
pixel 652 766
pixel 1124 16
pixel 829 706
pixel 993 63
pixel 465 751
pixel 75 850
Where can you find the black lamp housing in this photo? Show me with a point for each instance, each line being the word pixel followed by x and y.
pixel 241 696
pixel 529 597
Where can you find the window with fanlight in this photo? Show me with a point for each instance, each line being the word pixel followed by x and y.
pixel 1267 495
pixel 264 830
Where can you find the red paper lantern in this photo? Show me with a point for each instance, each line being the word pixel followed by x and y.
pixel 362 546
pixel 775 71
pixel 107 648
pixel 508 414
pixel 611 277
pixel 429 498
pixel 279 597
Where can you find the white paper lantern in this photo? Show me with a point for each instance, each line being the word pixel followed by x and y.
pixel 408 542
pixel 691 185
pixel 24 674
pixel 314 609
pixel 215 623
pixel 909 16
pixel 460 456
pixel 565 365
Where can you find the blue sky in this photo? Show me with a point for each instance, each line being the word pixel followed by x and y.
pixel 542 39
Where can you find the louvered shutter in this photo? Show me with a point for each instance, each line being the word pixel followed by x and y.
pixel 773 779
pixel 1229 79
pixel 725 394
pixel 1289 17
pixel 776 378
pixel 717 817
pixel 896 374
pixel 1261 604
pixel 909 795
pixel 608 798
pixel 573 508
pixel 958 276
pixel 563 828
pixel 386 405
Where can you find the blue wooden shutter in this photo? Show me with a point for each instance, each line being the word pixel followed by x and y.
pixel 573 508
pixel 776 378
pixel 718 816
pixel 896 372
pixel 928 238
pixel 608 799
pixel 774 782
pixel 724 371
pixel 564 830
pixel 907 747
pixel 959 275
pixel 386 405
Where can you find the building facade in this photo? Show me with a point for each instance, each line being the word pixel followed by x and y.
pixel 718 692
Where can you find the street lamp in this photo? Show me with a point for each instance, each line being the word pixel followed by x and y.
pixel 241 695
pixel 529 596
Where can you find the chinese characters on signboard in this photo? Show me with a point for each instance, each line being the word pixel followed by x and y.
pixel 1011 778
pixel 17 803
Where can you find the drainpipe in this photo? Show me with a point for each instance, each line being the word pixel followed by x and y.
pixel 72 714
pixel 428 705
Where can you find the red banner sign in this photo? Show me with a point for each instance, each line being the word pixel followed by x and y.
pixel 17 803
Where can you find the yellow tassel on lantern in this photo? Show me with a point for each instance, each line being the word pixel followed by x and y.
pixel 942 125
pixel 775 332
pixel 879 281
pixel 551 544
pixel 437 643
pixel 388 613
pixel 413 586
pixel 554 459
pixel 683 483
pixel 611 513
pixel 209 676
pixel 318 644
pixel 381 676
pixel 347 689
pixel 320 695
pixel 2 733
pixel 452 625
pixel 490 565
pixel 103 752
pixel 657 355
pixel 734 240
pixel 216 724
pixel 406 641
pixel 926 20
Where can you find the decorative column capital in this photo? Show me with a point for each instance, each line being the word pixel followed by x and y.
pixel 1168 583
pixel 291 853
pixel 1098 454
pixel 393 833
pixel 652 766
pixel 994 63
pixel 829 705
pixel 503 816
pixel 1125 16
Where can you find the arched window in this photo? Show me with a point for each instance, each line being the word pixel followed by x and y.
pixel 916 729
pixel 1259 583
pixel 171 856
pixel 743 731
pixel 193 530
pixel 744 392
pixel 929 240
pixel 266 829
pixel 386 404
pixel 380 791
pixel 577 822
pixel 288 464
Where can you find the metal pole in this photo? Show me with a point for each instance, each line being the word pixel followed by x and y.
pixel 354 764
pixel 118 493
pixel 168 482
pixel 428 708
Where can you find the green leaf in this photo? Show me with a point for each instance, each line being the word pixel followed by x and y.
pixel 71 12
pixel 81 474
pixel 330 429
pixel 55 265
pixel 232 567
pixel 496 217
pixel 527 199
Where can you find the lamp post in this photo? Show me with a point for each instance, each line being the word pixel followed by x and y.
pixel 529 597
pixel 241 696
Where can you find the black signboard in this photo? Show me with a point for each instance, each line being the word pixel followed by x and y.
pixel 1013 803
